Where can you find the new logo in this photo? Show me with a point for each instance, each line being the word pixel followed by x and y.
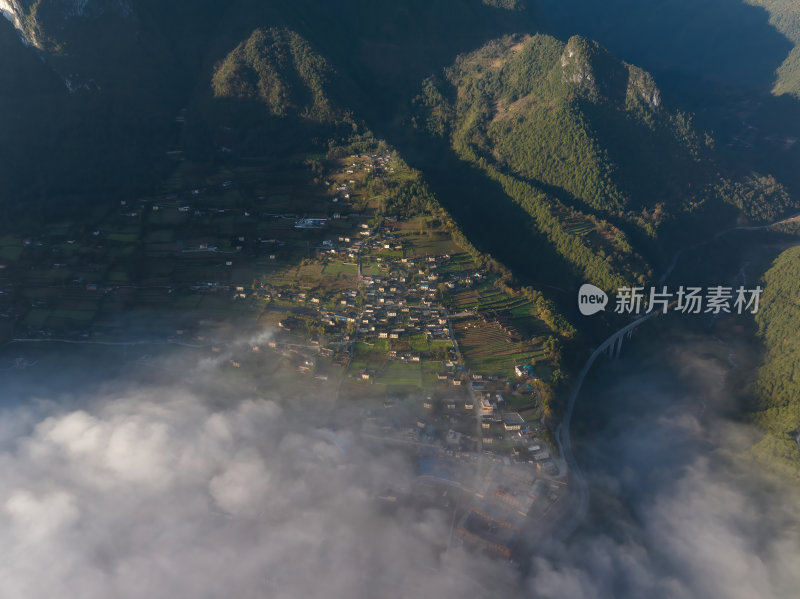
pixel 591 299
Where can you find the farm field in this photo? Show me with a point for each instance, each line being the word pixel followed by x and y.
pixel 487 348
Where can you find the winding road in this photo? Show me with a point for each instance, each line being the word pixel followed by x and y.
pixel 578 482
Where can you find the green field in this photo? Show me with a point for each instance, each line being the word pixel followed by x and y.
pixel 334 269
pixel 400 374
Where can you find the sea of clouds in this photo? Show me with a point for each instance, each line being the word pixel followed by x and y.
pixel 161 490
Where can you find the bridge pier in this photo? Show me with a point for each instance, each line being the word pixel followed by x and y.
pixel 614 349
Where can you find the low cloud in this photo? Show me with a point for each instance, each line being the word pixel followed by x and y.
pixel 699 520
pixel 703 539
pixel 179 490
pixel 155 494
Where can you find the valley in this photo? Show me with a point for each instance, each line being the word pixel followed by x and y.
pixel 300 277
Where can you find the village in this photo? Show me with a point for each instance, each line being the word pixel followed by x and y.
pixel 382 309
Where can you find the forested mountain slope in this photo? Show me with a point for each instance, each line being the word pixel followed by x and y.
pixel 785 16
pixel 587 146
pixel 777 406
pixel 573 117
pixel 732 63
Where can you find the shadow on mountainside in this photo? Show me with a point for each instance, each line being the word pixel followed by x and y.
pixel 716 58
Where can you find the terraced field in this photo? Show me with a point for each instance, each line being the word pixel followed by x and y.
pixel 488 349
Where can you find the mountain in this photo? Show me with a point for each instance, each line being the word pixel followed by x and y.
pixel 271 94
pixel 37 20
pixel 574 150
pixel 724 40
pixel 117 74
pixel 588 148
pixel 785 17
pixel 278 68
pixel 572 117
pixel 98 121
pixel 776 408
pixel 732 64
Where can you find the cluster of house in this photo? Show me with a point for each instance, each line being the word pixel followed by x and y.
pixel 347 249
pixel 519 482
pixel 396 320
pixel 401 302
pixel 504 499
pixel 382 163
pixel 370 163
pixel 397 303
